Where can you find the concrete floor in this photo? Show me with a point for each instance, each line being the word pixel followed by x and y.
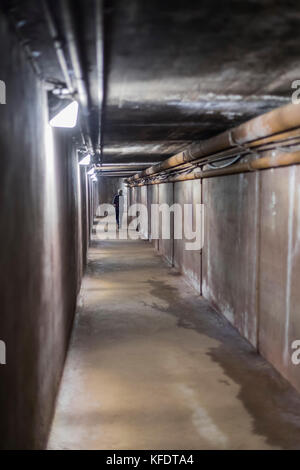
pixel 152 366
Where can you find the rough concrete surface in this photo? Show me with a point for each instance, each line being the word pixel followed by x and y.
pixel 166 224
pixel 40 251
pixel 248 268
pixel 151 365
pixel 230 251
pixel 108 188
pixel 279 267
pixel 188 261
pixel 183 71
pixel 153 193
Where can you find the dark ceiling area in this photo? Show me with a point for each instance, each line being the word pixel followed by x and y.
pixel 154 76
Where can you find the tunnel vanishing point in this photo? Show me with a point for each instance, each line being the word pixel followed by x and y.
pixel 115 331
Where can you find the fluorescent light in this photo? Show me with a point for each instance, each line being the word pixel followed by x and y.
pixel 85 160
pixel 67 117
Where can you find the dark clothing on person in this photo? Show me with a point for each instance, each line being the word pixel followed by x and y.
pixel 117 209
pixel 117 201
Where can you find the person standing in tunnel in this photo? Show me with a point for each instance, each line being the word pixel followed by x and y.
pixel 119 206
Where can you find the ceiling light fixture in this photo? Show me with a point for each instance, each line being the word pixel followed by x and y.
pixel 67 117
pixel 86 160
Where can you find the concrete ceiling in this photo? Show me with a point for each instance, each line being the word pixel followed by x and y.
pixel 173 71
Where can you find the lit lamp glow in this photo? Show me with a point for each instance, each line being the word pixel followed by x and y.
pixel 85 160
pixel 67 117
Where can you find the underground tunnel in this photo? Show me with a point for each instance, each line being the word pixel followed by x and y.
pixel 150 225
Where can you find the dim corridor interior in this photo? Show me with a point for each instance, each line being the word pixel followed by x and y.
pixel 152 366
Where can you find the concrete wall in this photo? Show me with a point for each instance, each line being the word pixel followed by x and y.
pixel 41 253
pixel 230 253
pixel 249 268
pixel 188 261
pixel 153 198
pixel 166 245
pixel 85 220
pixel 144 228
pixel 108 188
pixel 133 197
pixel 174 251
pixel 279 268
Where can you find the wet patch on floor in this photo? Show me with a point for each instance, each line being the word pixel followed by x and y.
pixel 272 402
pixel 152 365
